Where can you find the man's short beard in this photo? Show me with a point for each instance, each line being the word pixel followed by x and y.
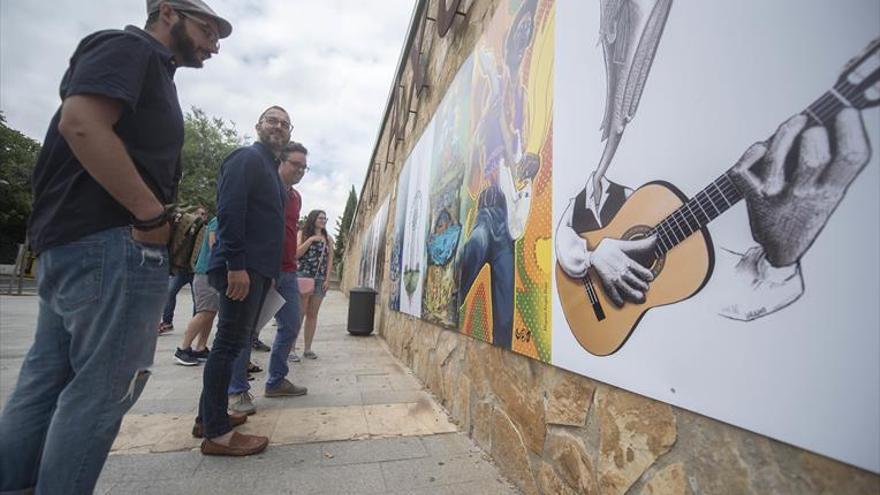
pixel 184 47
pixel 266 138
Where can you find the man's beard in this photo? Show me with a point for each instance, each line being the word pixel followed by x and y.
pixel 274 138
pixel 184 47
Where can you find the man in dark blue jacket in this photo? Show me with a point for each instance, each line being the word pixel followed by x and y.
pixel 250 212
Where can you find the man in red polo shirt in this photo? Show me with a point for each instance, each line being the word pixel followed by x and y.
pixel 291 169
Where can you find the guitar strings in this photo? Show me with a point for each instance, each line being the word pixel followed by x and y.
pixel 588 284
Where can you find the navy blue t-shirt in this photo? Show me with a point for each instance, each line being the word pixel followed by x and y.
pixel 132 67
pixel 250 213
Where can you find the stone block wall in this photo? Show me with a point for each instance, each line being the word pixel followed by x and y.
pixel 551 431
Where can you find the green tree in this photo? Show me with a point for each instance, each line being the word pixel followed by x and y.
pixel 343 224
pixel 18 154
pixel 207 141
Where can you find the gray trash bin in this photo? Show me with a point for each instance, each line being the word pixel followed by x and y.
pixel 361 310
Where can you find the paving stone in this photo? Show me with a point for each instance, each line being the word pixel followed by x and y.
pixel 481 487
pixel 353 479
pixel 369 451
pixel 303 425
pixel 154 406
pixel 312 399
pixel 436 471
pixel 415 418
pixel 273 460
pixel 103 487
pixel 369 397
pixel 240 485
pixel 146 467
pixel 448 444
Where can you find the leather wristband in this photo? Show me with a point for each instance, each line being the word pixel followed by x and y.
pixel 151 223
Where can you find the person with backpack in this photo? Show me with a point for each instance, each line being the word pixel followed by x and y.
pixel 109 165
pixel 183 276
pixel 206 302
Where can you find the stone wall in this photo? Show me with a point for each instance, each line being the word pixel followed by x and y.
pixel 554 432
pixel 549 430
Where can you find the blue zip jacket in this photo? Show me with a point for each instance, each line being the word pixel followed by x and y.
pixel 250 213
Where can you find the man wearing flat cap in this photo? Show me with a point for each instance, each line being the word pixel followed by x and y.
pixel 109 165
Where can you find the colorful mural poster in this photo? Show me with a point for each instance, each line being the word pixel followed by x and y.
pixel 480 258
pixel 505 254
pixel 452 151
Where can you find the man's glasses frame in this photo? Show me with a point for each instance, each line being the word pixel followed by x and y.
pixel 273 121
pixel 299 165
pixel 209 33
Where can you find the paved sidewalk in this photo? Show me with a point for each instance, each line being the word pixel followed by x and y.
pixel 365 427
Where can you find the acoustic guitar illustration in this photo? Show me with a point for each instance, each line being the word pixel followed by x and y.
pixel 683 258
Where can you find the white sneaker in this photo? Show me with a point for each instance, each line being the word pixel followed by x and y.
pixel 242 403
pixel 294 358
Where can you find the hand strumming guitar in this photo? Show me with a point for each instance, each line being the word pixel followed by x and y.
pixel 793 183
pixel 624 278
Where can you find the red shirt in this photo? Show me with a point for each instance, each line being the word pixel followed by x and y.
pixel 291 221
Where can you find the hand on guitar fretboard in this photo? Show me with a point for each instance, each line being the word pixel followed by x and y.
pixel 787 210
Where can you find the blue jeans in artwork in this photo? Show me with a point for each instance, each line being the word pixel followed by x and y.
pixel 490 242
pixel 288 328
pixel 235 326
pixel 99 303
pixel 175 283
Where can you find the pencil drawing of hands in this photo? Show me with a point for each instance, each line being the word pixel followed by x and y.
pixel 794 182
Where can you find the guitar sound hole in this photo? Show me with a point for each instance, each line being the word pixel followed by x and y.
pixel 648 259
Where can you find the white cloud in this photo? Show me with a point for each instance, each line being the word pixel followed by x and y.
pixel 330 63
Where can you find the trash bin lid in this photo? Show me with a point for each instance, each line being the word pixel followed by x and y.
pixel 368 290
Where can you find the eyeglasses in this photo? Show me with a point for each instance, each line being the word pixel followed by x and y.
pixel 278 122
pixel 209 33
pixel 300 165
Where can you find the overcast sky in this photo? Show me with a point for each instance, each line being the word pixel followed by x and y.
pixel 330 63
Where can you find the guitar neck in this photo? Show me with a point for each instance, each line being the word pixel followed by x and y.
pixel 722 193
pixel 696 213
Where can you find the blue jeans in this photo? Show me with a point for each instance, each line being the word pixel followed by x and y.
pixel 288 328
pixel 235 326
pixel 175 283
pixel 490 242
pixel 100 298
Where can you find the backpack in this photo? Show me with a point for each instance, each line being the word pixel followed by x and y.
pixel 187 234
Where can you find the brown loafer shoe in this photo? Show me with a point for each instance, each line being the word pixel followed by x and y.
pixel 198 430
pixel 240 445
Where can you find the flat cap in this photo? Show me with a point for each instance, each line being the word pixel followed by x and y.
pixel 195 7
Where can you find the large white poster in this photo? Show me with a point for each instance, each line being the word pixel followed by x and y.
pixel 373 250
pixel 712 250
pixel 413 254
